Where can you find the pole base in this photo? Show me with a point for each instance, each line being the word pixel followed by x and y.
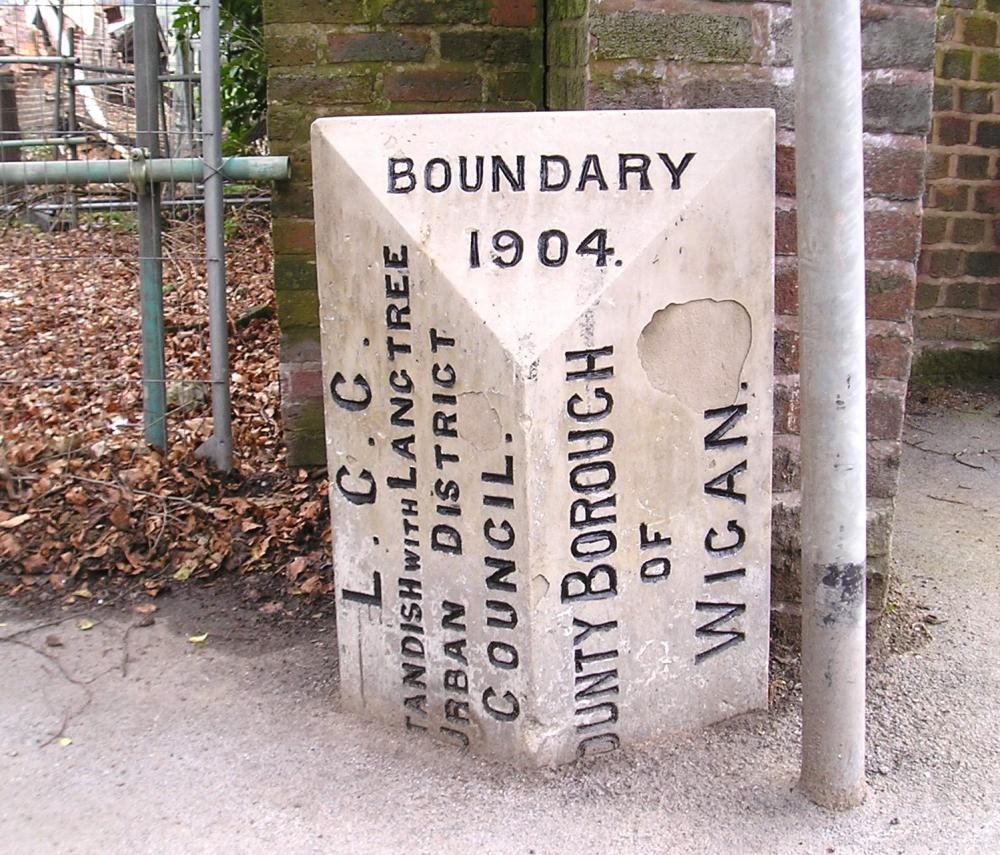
pixel 833 798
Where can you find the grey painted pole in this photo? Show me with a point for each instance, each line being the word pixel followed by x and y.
pixel 830 194
pixel 147 111
pixel 219 447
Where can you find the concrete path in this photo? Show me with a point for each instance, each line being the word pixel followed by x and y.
pixel 235 745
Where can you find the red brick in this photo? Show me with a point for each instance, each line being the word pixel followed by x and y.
pixel 943 263
pixel 988 199
pixel 989 296
pixel 949 197
pixel 786 351
pixel 885 413
pixel 784 231
pixel 785 170
pixel 889 290
pixel 513 13
pixel 786 288
pixel 896 173
pixel 433 86
pixel 951 130
pixel 293 236
pixel 304 383
pixel 977 328
pixel 377 47
pixel 892 233
pixel 786 407
pixel 889 355
pixel 933 327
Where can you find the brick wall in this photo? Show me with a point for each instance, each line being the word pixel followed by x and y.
pixel 958 292
pixel 347 57
pixel 329 58
pixel 694 53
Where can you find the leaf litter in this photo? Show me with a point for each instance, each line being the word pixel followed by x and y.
pixel 86 508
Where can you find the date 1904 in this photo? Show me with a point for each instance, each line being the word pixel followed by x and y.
pixel 507 248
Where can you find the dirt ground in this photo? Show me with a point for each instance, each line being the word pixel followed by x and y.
pixel 216 729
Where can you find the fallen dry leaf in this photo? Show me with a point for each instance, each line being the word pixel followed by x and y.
pixel 85 624
pixel 198 639
pixel 14 522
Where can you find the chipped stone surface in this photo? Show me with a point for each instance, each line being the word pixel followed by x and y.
pixel 547 350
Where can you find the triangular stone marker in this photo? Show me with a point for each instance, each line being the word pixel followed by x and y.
pixel 547 354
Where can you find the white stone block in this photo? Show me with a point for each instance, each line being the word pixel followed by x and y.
pixel 547 350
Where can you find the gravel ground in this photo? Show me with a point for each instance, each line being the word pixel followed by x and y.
pixel 233 745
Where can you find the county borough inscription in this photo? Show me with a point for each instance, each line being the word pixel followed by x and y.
pixel 547 361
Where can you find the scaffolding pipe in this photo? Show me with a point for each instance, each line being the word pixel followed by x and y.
pixel 829 178
pixel 140 171
pixel 146 41
pixel 219 447
pixel 38 60
pixel 129 79
pixel 42 142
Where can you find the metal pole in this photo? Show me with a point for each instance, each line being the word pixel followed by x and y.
pixel 147 111
pixel 158 170
pixel 830 193
pixel 219 447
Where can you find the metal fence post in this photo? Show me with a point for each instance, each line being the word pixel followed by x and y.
pixel 828 126
pixel 147 112
pixel 219 447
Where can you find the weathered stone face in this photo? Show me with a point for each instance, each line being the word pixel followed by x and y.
pixel 547 346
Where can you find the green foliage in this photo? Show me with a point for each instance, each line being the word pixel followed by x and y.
pixel 243 72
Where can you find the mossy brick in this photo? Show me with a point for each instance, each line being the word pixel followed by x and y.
pixel 377 47
pixel 927 295
pixel 944 97
pixel 973 166
pixel 991 5
pixel 515 13
pixel 432 85
pixel 492 46
pixel 648 35
pixel 956 365
pixel 950 197
pixel 632 88
pixel 933 230
pixel 436 11
pixel 898 41
pixel 315 11
pixel 707 94
pixel 287 123
pixel 293 236
pixel 901 108
pixel 945 30
pixel 291 45
pixel 968 231
pixel 294 273
pixel 956 64
pixel 297 308
pixel 979 31
pixel 300 344
pixel 988 134
pixel 962 295
pixel 983 264
pixel 561 10
pixel 987 199
pixel 518 86
pixel 304 432
pixel 960 4
pixel 988 67
pixel 567 45
pixel 325 87
pixel 292 199
pixel 975 100
pixel 945 263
